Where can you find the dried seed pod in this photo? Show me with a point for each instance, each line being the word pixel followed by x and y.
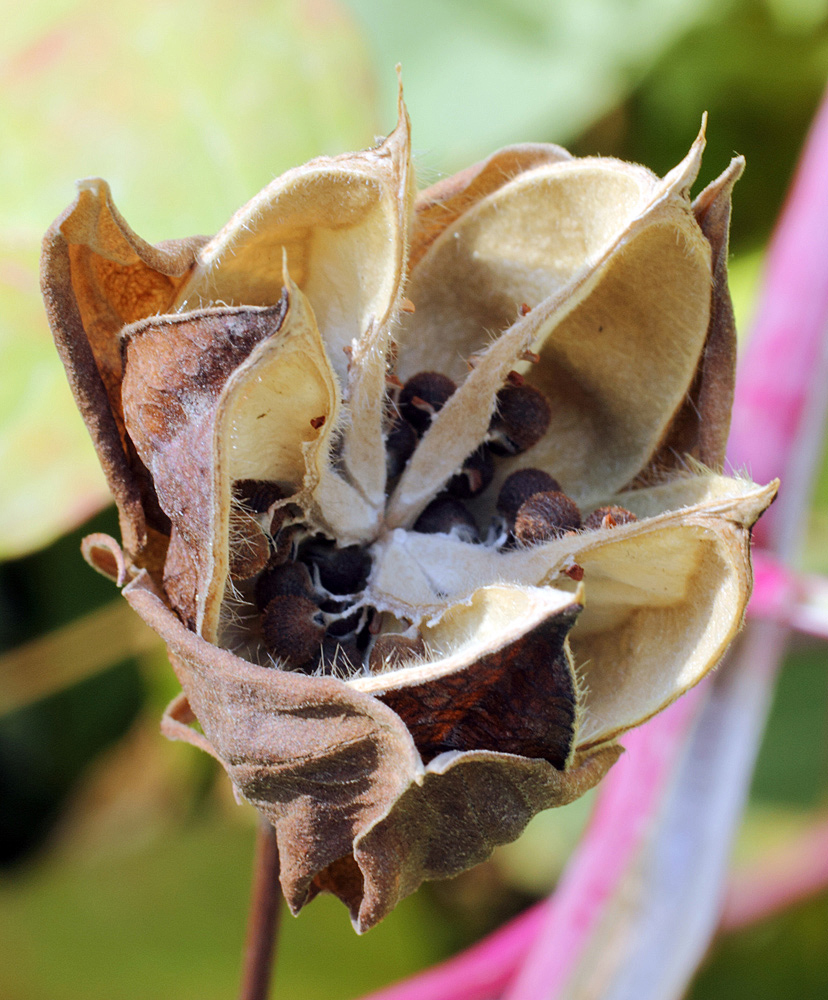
pixel 249 546
pixel 519 486
pixel 475 475
pixel 447 515
pixel 522 418
pixel 545 516
pixel 391 651
pixel 422 396
pixel 399 446
pixel 341 571
pixel 608 517
pixel 257 495
pixel 290 579
pixel 293 629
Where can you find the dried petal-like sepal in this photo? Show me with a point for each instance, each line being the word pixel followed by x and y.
pixel 96 277
pixel 355 809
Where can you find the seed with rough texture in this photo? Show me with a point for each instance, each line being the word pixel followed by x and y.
pixel 390 651
pixel 447 515
pixel 521 419
pixel 475 475
pixel 291 579
pixel 293 629
pixel 338 656
pixel 257 495
pixel 341 571
pixel 545 516
pixel 519 486
pixel 249 546
pixel 422 396
pixel 608 517
pixel 399 446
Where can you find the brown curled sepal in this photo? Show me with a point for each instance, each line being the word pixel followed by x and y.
pixel 97 276
pixel 337 773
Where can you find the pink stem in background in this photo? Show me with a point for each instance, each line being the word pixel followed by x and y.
pixel 629 796
pixel 479 973
pixel 787 345
pixel 797 600
pixel 784 876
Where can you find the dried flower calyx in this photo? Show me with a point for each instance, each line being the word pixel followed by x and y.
pixel 416 580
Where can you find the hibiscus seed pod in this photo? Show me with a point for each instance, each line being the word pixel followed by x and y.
pixel 520 421
pixel 293 629
pixel 545 516
pixel 341 571
pixel 608 517
pixel 391 651
pixel 290 579
pixel 474 476
pixel 519 486
pixel 422 396
pixel 257 495
pixel 447 515
pixel 399 446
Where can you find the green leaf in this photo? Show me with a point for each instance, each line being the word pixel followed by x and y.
pixel 482 75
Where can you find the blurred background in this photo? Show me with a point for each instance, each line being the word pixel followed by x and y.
pixel 124 862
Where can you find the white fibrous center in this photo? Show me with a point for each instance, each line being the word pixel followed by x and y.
pixel 358 610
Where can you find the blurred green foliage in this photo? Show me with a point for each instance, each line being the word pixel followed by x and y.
pixel 126 866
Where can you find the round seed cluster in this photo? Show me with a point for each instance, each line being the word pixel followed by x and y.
pixel 309 592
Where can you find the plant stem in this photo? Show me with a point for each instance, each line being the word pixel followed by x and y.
pixel 263 918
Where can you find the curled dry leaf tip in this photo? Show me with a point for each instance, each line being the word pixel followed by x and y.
pixel 417 580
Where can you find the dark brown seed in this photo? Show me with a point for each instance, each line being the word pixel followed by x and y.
pixel 545 516
pixel 342 626
pixel 399 446
pixel 293 629
pixel 519 486
pixel 608 517
pixel 283 538
pixel 447 515
pixel 291 579
pixel 422 396
pixel 257 495
pixel 341 571
pixel 338 656
pixel 475 475
pixel 520 421
pixel 391 651
pixel 249 548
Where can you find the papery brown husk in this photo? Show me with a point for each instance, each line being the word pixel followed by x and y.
pixel 338 775
pixel 97 276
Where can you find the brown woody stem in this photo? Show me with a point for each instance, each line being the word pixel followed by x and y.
pixel 263 918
